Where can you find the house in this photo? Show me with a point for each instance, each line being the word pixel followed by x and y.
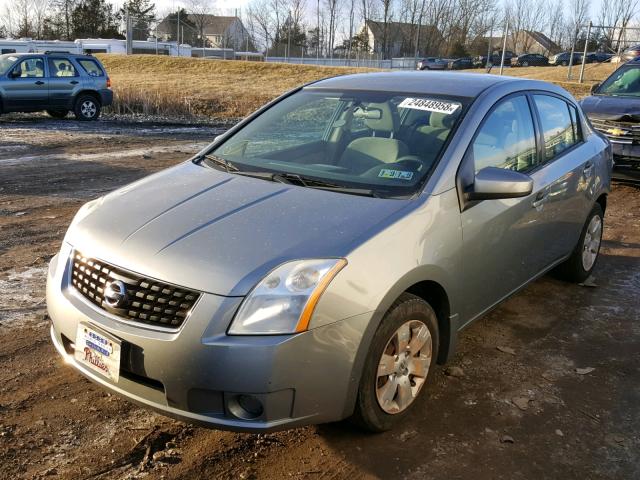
pixel 399 39
pixel 220 31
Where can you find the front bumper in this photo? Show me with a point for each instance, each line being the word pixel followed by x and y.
pixel 197 373
pixel 626 159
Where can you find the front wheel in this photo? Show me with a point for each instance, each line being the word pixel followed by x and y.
pixel 398 365
pixel 582 261
pixel 87 108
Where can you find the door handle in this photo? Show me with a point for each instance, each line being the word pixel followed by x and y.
pixel 540 199
pixel 39 82
pixel 588 168
pixel 74 82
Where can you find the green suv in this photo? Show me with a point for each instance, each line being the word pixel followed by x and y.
pixel 57 82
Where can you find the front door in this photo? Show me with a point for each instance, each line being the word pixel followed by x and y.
pixel 27 87
pixel 63 80
pixel 502 239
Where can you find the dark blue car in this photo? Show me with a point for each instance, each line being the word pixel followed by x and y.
pixel 614 109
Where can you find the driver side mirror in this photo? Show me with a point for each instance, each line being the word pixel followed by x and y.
pixel 594 88
pixel 492 183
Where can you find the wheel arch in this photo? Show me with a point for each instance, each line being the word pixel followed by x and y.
pixel 602 200
pixel 90 92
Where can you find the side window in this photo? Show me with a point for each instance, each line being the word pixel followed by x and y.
pixel 557 127
pixel 506 138
pixel 91 67
pixel 30 68
pixel 61 67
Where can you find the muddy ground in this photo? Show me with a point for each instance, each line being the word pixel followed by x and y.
pixel 550 384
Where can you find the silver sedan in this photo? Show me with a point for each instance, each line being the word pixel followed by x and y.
pixel 316 261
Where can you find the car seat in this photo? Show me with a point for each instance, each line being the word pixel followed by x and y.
pixel 366 152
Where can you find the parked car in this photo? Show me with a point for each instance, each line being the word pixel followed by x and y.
pixel 57 82
pixel 614 109
pixel 530 60
pixel 432 63
pixel 460 63
pixel 630 53
pixel 495 59
pixel 598 57
pixel 317 260
pixel 564 58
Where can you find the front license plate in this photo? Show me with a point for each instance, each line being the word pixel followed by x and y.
pixel 98 350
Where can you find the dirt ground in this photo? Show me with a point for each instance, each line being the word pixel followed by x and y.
pixel 549 385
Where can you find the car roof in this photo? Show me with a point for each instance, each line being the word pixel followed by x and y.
pixel 433 83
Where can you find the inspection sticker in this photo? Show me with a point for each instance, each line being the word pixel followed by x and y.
pixel 430 105
pixel 395 174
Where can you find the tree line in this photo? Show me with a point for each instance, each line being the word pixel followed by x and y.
pixel 328 28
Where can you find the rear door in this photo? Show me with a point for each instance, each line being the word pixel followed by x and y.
pixel 26 87
pixel 569 170
pixel 64 80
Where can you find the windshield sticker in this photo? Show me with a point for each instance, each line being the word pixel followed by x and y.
pixel 395 174
pixel 430 105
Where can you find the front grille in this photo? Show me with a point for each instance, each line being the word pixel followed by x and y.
pixel 146 301
pixel 627 133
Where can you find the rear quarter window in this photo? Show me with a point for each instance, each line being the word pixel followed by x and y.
pixel 91 67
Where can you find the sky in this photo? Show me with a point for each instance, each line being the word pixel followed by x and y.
pixel 227 7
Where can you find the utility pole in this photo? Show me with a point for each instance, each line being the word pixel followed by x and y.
pixel 417 50
pixel 289 38
pixel 584 55
pixel 490 47
pixel 178 32
pixel 318 33
pixel 129 40
pixel 504 46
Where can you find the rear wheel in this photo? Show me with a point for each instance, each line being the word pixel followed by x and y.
pixel 525 64
pixel 582 261
pixel 58 113
pixel 398 365
pixel 87 108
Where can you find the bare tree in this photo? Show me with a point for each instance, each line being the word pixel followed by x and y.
pixel 616 14
pixel 332 12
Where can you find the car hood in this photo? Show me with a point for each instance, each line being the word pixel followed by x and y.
pixel 221 233
pixel 612 108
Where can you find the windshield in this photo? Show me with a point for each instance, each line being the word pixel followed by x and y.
pixel 387 143
pixel 625 81
pixel 6 61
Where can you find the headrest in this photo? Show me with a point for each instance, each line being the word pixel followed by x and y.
pixel 386 121
pixel 440 120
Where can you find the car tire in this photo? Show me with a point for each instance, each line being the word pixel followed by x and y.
pixel 87 108
pixel 411 314
pixel 565 64
pixel 584 257
pixel 525 64
pixel 57 113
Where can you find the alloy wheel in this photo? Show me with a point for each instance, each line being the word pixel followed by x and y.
pixel 403 366
pixel 88 109
pixel 591 244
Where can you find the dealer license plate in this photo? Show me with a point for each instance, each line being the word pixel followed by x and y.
pixel 98 350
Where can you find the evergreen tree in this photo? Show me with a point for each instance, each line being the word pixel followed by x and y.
pixel 143 15
pixel 95 18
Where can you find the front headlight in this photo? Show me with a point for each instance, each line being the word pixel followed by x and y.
pixel 285 299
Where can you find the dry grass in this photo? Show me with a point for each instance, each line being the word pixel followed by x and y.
pixel 160 85
pixel 172 86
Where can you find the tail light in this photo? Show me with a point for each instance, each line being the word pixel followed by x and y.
pixel 108 82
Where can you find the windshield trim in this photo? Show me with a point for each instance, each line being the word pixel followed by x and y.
pixel 391 192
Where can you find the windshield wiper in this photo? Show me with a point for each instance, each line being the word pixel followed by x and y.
pixel 221 162
pixel 322 185
pixel 288 178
